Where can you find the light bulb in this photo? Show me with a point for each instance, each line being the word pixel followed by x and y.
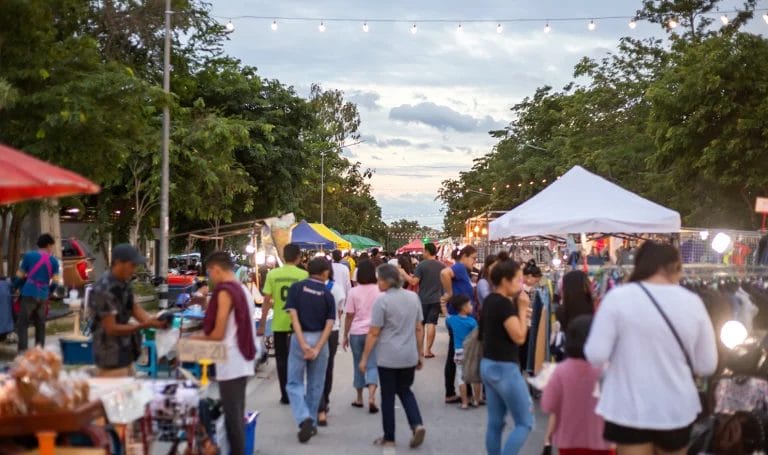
pixel 547 28
pixel 733 334
pixel 721 242
pixel 321 27
pixel 765 18
pixel 557 262
pixel 499 28
pixel 632 24
pixel 274 25
pixel 672 23
pixel 261 258
pixel 460 29
pixel 704 235
pixel 414 29
pixel 592 26
pixel 230 27
pixel 365 27
pixel 724 19
pixel 250 249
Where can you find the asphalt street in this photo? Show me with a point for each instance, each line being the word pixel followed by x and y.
pixel 450 430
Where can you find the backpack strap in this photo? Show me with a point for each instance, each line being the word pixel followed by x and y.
pixel 45 259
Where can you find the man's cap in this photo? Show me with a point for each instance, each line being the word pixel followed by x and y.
pixel 125 252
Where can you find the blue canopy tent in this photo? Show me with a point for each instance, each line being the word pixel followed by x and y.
pixel 307 238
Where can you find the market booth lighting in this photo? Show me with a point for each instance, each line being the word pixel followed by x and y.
pixel 721 242
pixel 733 334
pixel 250 249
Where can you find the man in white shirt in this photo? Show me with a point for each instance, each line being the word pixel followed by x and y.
pixel 341 272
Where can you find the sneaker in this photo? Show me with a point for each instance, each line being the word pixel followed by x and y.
pixel 307 429
pixel 284 401
pixel 418 437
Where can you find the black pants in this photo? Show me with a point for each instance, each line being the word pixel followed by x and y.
pixel 397 381
pixel 450 368
pixel 282 347
pixel 333 346
pixel 232 394
pixel 33 310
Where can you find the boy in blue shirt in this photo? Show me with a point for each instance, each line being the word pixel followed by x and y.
pixel 37 271
pixel 462 324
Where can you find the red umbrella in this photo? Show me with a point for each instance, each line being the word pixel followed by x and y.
pixel 23 177
pixel 416 246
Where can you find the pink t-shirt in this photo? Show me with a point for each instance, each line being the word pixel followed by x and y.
pixel 360 302
pixel 569 396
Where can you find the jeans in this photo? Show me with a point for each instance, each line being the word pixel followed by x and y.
pixel 232 394
pixel 281 359
pixel 450 367
pixel 506 392
pixel 33 310
pixel 333 346
pixel 305 398
pixel 371 376
pixel 397 381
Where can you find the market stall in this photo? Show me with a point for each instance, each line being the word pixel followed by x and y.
pixel 307 238
pixel 329 234
pixel 361 243
pixel 414 247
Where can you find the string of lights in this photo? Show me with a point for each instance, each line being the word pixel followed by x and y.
pixel 365 23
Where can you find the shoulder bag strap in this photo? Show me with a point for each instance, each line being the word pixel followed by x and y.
pixel 671 327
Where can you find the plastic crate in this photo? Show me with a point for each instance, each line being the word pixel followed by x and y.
pixel 251 419
pixel 76 352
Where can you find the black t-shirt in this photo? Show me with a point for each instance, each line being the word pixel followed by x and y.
pixel 497 345
pixel 314 303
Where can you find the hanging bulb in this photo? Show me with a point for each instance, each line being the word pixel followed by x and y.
pixel 230 27
pixel 592 25
pixel 274 25
pixel 632 24
pixel 547 28
pixel 499 28
pixel 460 29
pixel 724 19
pixel 321 27
pixel 414 29
pixel 365 27
pixel 672 23
pixel 765 18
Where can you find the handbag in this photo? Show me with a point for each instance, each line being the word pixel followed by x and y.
pixel 473 353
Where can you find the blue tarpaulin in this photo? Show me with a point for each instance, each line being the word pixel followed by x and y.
pixel 308 239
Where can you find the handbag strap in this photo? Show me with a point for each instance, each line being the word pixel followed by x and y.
pixel 671 327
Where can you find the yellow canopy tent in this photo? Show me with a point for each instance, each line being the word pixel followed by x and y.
pixel 323 230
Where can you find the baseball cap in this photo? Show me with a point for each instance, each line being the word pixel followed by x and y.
pixel 125 252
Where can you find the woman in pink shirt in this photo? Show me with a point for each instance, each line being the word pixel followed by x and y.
pixel 359 306
pixel 569 397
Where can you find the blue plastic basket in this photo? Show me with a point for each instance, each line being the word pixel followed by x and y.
pixel 251 418
pixel 76 352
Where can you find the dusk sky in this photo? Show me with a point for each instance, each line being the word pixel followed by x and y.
pixel 427 100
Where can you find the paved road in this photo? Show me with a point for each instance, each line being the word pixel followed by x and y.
pixel 352 431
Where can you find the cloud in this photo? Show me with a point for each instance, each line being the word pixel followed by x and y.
pixel 366 99
pixel 372 140
pixel 443 118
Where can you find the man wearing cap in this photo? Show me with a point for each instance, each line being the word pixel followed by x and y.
pixel 116 341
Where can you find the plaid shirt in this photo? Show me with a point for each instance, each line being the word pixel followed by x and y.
pixel 111 296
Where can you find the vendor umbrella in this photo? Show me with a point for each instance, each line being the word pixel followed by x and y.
pixel 416 246
pixel 23 177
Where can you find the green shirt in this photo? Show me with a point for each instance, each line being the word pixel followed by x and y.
pixel 276 286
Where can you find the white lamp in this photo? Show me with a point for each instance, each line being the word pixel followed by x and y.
pixel 721 242
pixel 250 249
pixel 733 334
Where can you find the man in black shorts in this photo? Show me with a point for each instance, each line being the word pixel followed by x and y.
pixel 427 277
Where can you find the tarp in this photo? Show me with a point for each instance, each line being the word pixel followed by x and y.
pixel 307 238
pixel 332 236
pixel 361 243
pixel 416 246
pixel 582 202
pixel 23 177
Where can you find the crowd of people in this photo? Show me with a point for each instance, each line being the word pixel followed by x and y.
pixel 624 381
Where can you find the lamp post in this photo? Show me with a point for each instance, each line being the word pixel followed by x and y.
pixel 165 164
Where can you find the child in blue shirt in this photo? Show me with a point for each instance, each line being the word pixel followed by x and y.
pixel 462 324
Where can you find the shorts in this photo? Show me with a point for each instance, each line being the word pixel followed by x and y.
pixel 458 360
pixel 668 440
pixel 431 312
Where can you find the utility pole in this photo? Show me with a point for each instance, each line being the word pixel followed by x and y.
pixel 165 181
pixel 322 187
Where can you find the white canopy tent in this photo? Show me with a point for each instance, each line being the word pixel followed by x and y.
pixel 581 201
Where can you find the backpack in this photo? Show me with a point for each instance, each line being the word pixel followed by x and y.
pixel 473 354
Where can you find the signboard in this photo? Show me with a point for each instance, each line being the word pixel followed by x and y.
pixel 195 350
pixel 761 205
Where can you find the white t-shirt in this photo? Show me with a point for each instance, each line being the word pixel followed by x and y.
pixel 236 366
pixel 341 276
pixel 340 297
pixel 647 382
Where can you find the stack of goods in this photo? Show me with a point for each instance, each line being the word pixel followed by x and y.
pixel 36 385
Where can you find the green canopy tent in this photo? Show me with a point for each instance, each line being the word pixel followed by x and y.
pixel 361 243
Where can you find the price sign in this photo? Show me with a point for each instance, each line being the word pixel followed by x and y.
pixel 195 350
pixel 761 205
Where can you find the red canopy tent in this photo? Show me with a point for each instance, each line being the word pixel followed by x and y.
pixel 23 177
pixel 416 246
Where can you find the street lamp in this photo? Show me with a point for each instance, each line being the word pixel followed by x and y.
pixel 165 180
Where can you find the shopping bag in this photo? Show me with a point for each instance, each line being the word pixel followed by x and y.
pixel 473 354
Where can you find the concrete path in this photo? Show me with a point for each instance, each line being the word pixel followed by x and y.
pixel 450 430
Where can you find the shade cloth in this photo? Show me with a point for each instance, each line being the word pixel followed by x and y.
pixel 416 246
pixel 23 177
pixel 307 238
pixel 332 236
pixel 361 243
pixel 582 202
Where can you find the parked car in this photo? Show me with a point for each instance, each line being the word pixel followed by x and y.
pixel 77 263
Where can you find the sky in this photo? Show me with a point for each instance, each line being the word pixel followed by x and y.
pixel 426 100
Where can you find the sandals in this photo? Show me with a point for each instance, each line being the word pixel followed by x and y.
pixel 464 407
pixel 453 400
pixel 429 356
pixel 418 437
pixel 381 442
pixel 355 404
pixel 372 408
